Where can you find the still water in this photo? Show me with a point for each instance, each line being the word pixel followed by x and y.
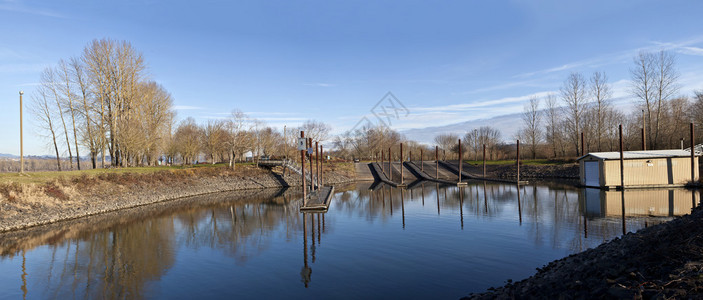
pixel 428 241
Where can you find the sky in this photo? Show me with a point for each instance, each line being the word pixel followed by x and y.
pixel 285 62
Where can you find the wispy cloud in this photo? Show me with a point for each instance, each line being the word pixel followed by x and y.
pixel 22 68
pixel 12 6
pixel 186 107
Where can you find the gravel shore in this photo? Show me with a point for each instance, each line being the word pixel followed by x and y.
pixel 660 262
pixel 14 216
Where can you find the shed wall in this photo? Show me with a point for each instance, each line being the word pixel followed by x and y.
pixel 643 172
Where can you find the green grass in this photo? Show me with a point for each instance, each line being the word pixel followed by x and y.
pixel 48 176
pixel 535 162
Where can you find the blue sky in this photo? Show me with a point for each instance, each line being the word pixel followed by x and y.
pixel 288 61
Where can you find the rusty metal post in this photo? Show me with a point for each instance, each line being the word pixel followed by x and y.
pixel 317 163
pixel 484 160
pixel 693 155
pixel 390 165
pixel 401 163
pixel 302 168
pixel 383 168
pixel 644 147
pixel 422 164
pixel 322 174
pixel 622 163
pixel 460 162
pixel 583 146
pixel 436 160
pixel 518 162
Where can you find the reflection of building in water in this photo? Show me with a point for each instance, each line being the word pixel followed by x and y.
pixel 644 202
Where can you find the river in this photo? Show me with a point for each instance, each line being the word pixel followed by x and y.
pixel 428 241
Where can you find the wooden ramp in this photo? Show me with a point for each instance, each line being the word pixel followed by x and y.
pixel 319 200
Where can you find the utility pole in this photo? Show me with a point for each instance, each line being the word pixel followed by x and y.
pixel 21 138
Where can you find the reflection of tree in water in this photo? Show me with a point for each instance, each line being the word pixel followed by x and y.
pixel 111 264
pixel 239 230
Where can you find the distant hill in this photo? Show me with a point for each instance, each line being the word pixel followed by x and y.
pixel 508 125
pixel 3 155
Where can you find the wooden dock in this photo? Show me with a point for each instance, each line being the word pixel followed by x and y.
pixel 318 200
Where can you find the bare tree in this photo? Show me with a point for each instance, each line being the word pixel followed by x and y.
pixel 531 119
pixel 665 86
pixel 554 125
pixel 446 141
pixel 237 127
pixel 644 87
pixel 317 130
pixel 44 112
pixel 601 94
pixel 573 93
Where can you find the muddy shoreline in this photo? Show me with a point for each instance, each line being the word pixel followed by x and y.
pixel 101 199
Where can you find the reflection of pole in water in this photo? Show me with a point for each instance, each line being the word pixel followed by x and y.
pixel 402 205
pixel 383 198
pixel 624 228
pixel 485 197
pixel 519 205
pixel 24 276
pixel 323 222
pixel 423 187
pixel 438 199
pixel 585 216
pixel 461 206
pixel 306 271
pixel 312 221
pixel 318 230
pixel 390 198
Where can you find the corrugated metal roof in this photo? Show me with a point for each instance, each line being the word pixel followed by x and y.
pixel 639 154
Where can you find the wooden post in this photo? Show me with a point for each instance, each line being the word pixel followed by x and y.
pixel 644 132
pixel 622 163
pixel 518 162
pixel 693 155
pixel 484 160
pixel 460 164
pixel 317 163
pixel 644 147
pixel 302 168
pixel 583 145
pixel 436 160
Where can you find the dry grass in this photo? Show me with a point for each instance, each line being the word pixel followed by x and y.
pixel 63 186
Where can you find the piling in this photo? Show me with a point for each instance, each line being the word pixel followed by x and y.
pixel 317 163
pixel 302 167
pixel 518 161
pixel 383 167
pixel 390 165
pixel 322 174
pixel 693 155
pixel 436 160
pixel 642 133
pixel 460 160
pixel 622 163
pixel 422 164
pixel 484 160
pixel 583 145
pixel 401 163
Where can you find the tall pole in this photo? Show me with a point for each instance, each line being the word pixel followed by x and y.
pixel 390 165
pixel 460 160
pixel 693 154
pixel 382 165
pixel 322 174
pixel 518 163
pixel 317 163
pixel 21 137
pixel 583 145
pixel 484 160
pixel 622 163
pixel 285 142
pixel 302 168
pixel 401 163
pixel 644 132
pixel 436 160
pixel 422 165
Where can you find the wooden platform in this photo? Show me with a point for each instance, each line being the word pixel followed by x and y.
pixel 319 200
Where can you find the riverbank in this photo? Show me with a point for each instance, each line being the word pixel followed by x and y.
pixel 29 204
pixel 660 262
pixel 508 170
